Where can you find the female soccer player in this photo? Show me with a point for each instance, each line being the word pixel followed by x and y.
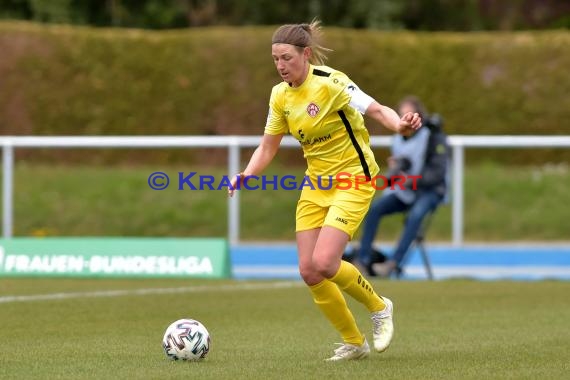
pixel 323 109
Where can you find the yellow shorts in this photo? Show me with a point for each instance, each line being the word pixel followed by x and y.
pixel 341 208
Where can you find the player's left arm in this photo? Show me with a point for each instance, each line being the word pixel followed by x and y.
pixel 386 116
pixel 345 92
pixel 389 118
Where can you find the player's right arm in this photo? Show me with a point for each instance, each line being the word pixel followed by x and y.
pixel 275 128
pixel 262 157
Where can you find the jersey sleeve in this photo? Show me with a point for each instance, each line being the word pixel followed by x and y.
pixel 347 93
pixel 276 123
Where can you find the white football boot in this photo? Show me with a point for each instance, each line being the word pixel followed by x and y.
pixel 383 326
pixel 350 352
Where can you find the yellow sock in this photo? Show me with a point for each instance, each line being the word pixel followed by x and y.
pixel 330 300
pixel 349 279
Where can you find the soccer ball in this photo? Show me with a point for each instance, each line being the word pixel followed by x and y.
pixel 186 339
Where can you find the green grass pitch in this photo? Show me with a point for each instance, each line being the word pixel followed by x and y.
pixel 271 330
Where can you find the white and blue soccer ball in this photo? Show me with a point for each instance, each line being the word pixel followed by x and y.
pixel 186 339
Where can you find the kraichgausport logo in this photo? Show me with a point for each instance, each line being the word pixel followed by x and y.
pixel 340 181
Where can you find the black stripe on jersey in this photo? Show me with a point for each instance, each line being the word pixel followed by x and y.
pixel 321 73
pixel 355 144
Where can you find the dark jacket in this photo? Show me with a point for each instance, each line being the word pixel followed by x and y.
pixel 434 173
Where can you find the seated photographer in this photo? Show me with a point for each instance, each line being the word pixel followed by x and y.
pixel 424 153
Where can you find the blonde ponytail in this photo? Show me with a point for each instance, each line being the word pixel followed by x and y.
pixel 303 35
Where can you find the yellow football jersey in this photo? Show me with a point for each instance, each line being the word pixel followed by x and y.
pixel 331 132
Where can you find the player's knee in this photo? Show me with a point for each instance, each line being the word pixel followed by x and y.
pixel 309 275
pixel 324 266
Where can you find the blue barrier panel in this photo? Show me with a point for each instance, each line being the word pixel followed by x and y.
pixel 485 262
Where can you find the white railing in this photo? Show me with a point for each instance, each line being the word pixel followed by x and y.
pixel 235 143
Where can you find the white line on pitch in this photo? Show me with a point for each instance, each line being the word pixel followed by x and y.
pixel 142 292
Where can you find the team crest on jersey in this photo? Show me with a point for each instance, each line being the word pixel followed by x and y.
pixel 313 109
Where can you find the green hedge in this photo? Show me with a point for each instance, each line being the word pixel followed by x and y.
pixel 57 80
